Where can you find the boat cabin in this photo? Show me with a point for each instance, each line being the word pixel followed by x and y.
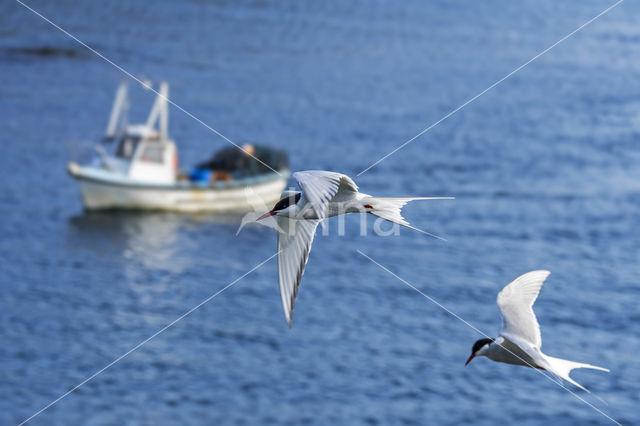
pixel 144 155
pixel 142 152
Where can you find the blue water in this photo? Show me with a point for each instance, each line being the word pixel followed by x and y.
pixel 544 168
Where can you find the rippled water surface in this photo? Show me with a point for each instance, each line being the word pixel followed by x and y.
pixel 544 168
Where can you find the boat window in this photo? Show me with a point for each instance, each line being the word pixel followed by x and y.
pixel 127 148
pixel 152 153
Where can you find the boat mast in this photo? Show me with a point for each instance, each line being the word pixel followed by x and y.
pixel 160 112
pixel 118 111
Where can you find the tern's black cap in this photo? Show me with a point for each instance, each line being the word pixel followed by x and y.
pixel 287 201
pixel 480 343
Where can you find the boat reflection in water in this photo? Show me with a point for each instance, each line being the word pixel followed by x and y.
pixel 150 249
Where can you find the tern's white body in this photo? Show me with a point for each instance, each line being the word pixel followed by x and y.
pixel 303 209
pixel 504 350
pixel 520 340
pixel 324 194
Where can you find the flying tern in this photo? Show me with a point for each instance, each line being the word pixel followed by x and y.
pixel 520 340
pixel 298 213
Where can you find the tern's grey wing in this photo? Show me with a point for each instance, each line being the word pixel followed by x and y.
pixel 515 302
pixel 320 187
pixel 294 244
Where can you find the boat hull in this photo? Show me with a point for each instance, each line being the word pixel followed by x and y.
pixel 100 191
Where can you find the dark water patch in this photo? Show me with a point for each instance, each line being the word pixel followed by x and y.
pixel 246 338
pixel 45 52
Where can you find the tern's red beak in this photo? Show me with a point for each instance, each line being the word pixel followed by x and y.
pixel 469 360
pixel 267 214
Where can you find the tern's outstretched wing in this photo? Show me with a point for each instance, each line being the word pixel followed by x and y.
pixel 320 187
pixel 294 244
pixel 515 302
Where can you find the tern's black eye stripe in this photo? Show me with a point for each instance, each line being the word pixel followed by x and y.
pixel 286 202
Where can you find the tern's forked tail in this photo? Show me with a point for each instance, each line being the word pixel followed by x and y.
pixel 390 208
pixel 562 368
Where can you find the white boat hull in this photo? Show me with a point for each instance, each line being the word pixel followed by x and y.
pixel 102 191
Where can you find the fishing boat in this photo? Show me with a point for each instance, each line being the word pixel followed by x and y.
pixel 136 167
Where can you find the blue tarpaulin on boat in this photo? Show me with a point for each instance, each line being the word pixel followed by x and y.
pixel 200 175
